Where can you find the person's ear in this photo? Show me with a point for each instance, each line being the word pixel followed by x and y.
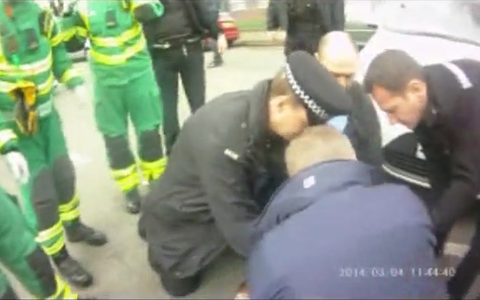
pixel 279 103
pixel 415 86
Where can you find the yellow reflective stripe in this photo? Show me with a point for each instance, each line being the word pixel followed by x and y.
pixel 6 136
pixel 42 89
pixel 153 170
pixel 69 74
pixel 27 69
pixel 119 40
pixel 127 178
pixel 56 247
pixel 119 58
pixel 80 31
pixel 44 236
pixel 70 205
pixel 59 38
pixel 70 211
pixel 62 291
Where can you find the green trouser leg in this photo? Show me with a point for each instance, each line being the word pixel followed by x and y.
pixel 42 198
pixel 113 106
pixel 20 254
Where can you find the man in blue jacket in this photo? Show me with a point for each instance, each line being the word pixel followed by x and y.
pixel 343 233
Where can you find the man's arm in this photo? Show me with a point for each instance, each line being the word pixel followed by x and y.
pixel 206 18
pixel 225 183
pixel 264 276
pixel 146 10
pixel 62 65
pixel 465 176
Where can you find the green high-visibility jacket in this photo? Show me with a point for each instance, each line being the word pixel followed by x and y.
pixel 31 50
pixel 118 51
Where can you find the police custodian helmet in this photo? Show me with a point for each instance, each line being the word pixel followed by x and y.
pixel 323 97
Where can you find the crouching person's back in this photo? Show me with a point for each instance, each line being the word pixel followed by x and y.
pixel 334 230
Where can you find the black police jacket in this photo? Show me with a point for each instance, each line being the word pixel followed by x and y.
pixel 202 22
pixel 222 171
pixel 309 20
pixel 363 127
pixel 450 137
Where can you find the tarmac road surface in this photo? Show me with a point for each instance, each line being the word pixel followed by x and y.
pixel 120 268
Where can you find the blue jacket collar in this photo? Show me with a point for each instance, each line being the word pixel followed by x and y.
pixel 313 184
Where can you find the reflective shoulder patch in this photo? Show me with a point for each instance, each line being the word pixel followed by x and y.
pixel 462 78
pixel 231 154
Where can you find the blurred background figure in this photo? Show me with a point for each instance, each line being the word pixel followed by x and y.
pixel 277 18
pixel 305 21
pixel 215 8
pixel 338 53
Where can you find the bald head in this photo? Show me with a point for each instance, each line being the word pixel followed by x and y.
pixel 338 53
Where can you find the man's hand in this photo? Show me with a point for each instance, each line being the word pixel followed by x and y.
pixel 242 292
pixel 222 43
pixel 18 166
pixel 82 96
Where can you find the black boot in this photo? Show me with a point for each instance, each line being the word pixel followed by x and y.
pixel 71 270
pixel 133 201
pixel 79 232
pixel 9 294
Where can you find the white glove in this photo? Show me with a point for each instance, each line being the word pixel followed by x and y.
pixel 222 43
pixel 82 96
pixel 18 166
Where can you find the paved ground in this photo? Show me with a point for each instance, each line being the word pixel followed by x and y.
pixel 120 268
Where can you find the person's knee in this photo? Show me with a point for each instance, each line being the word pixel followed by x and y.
pixel 64 176
pixel 119 154
pixel 44 197
pixel 150 145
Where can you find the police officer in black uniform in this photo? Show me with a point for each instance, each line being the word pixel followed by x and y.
pixel 175 43
pixel 441 104
pixel 226 164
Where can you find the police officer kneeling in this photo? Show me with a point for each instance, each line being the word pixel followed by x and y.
pixel 441 104
pixel 343 233
pixel 225 165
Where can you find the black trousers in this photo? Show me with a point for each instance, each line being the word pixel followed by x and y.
pixel 468 269
pixel 186 60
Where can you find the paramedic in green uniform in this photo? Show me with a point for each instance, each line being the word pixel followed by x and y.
pixel 124 86
pixel 31 136
pixel 24 258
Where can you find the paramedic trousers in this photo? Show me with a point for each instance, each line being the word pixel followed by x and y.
pixel 139 101
pixel 49 199
pixel 22 256
pixel 187 60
